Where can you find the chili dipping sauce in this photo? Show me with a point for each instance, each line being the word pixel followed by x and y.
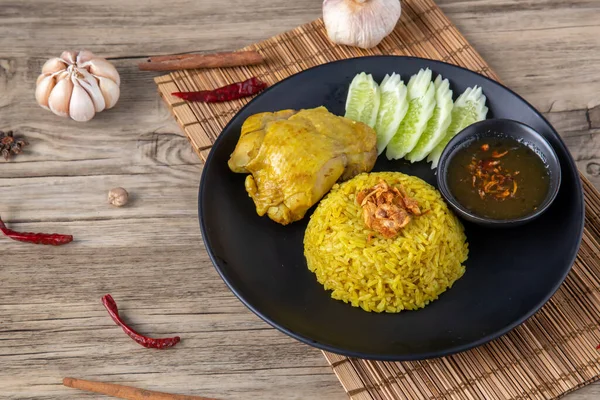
pixel 498 178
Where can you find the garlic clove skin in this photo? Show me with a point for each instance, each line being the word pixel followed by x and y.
pixel 69 57
pixel 81 107
pixel 84 56
pixel 57 75
pixel 53 65
pixel 41 78
pixel 110 91
pixel 61 75
pixel 90 85
pixel 100 67
pixel 360 23
pixel 60 96
pixel 43 89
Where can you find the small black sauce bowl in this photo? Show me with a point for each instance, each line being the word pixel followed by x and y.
pixel 500 128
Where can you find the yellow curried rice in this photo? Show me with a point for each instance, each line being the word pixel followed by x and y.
pixel 406 272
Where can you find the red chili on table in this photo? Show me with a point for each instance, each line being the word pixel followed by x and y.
pixel 113 311
pixel 52 239
pixel 234 91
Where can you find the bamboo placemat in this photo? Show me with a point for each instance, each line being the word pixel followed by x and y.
pixel 553 353
pixel 423 31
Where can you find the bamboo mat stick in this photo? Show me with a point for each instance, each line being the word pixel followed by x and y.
pixel 124 392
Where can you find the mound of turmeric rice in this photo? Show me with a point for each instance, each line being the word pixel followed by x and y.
pixel 362 268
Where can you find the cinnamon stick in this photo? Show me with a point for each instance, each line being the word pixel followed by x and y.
pixel 190 61
pixel 170 57
pixel 124 392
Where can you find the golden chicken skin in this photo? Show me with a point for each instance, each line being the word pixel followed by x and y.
pixel 295 157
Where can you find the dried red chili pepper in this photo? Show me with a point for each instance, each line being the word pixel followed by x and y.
pixel 113 311
pixel 234 91
pixel 52 239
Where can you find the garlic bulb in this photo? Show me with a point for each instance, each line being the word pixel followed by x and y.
pixel 77 85
pixel 361 23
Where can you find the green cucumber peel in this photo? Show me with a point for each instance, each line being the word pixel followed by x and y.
pixel 439 122
pixel 421 95
pixel 392 109
pixel 362 103
pixel 468 109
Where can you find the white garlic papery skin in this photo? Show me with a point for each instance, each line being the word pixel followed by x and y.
pixel 360 23
pixel 77 85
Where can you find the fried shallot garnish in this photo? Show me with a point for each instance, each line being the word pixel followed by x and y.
pixel 387 209
pixel 491 178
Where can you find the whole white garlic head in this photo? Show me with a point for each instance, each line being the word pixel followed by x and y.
pixel 360 23
pixel 77 85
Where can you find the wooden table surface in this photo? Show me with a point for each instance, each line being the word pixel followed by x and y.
pixel 150 255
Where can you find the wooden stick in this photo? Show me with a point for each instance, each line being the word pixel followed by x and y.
pixel 191 61
pixel 125 392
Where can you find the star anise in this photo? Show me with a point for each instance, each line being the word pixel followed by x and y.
pixel 10 145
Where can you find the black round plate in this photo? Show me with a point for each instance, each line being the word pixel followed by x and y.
pixel 509 275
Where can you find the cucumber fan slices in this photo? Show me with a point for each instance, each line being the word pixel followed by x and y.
pixel 414 121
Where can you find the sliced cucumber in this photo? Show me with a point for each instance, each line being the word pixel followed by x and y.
pixel 421 95
pixel 392 109
pixel 439 122
pixel 362 103
pixel 468 109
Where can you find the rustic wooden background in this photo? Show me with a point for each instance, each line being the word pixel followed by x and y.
pixel 149 255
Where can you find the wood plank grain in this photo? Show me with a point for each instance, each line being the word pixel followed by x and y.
pixel 509 15
pixel 130 29
pixel 225 350
pixel 150 255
